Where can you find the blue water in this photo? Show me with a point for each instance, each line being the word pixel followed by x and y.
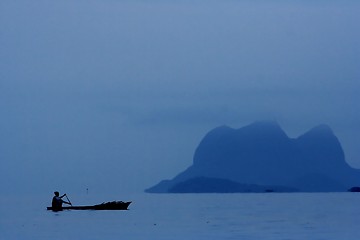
pixel 189 216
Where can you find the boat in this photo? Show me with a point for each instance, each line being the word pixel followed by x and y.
pixel 115 205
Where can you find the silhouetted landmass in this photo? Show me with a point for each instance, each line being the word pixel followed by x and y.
pixel 217 185
pixel 261 154
pixel 354 189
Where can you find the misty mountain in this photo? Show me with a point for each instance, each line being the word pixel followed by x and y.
pixel 263 155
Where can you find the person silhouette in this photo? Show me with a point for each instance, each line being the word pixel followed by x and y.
pixel 57 201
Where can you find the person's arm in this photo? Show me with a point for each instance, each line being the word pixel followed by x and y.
pixel 69 203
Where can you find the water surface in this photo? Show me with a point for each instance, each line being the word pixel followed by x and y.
pixel 189 216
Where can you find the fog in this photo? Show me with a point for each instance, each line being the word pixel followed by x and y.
pixel 116 95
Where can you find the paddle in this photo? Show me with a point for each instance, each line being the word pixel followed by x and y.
pixel 68 199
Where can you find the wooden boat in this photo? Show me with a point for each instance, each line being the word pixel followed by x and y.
pixel 115 205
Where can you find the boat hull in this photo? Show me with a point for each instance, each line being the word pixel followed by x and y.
pixel 103 206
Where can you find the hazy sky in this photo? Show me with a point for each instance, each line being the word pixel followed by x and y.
pixel 116 95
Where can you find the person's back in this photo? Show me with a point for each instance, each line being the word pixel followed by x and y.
pixel 56 203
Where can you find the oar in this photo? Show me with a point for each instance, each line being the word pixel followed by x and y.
pixel 68 199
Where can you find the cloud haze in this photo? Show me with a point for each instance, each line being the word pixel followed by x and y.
pixel 98 92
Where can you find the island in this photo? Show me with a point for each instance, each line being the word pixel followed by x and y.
pixel 260 157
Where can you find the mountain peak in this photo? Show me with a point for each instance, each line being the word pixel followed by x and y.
pixel 264 125
pixel 320 131
pixel 264 128
pixel 322 128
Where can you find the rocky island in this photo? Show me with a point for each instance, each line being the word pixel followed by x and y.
pixel 260 157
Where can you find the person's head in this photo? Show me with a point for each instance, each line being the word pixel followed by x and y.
pixel 57 193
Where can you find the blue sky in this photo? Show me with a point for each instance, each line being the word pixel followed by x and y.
pixel 93 92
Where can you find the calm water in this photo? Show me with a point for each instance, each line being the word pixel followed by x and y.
pixel 189 216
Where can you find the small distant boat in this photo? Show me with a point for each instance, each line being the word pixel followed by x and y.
pixel 115 205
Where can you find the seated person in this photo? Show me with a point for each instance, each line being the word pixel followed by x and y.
pixel 57 202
